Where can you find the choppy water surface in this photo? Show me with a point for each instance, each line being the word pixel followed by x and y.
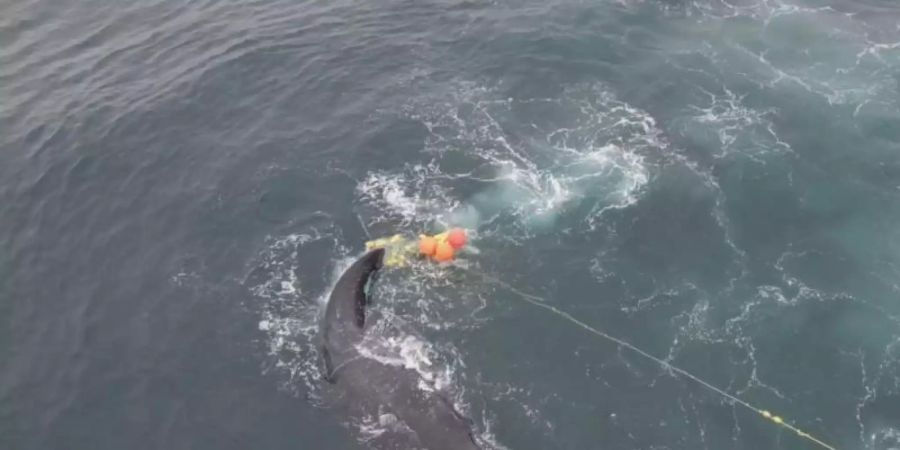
pixel 715 182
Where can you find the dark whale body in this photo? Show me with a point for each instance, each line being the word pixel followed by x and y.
pixel 430 420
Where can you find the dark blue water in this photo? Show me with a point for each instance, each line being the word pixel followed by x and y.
pixel 715 182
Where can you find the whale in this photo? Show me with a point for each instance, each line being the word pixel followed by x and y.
pixel 426 419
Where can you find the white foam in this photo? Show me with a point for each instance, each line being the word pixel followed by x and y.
pixel 370 427
pixel 839 35
pixel 408 352
pixel 288 316
pixel 887 438
pixel 404 199
pixel 588 147
pixel 737 126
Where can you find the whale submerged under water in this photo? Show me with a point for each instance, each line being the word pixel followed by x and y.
pixel 426 418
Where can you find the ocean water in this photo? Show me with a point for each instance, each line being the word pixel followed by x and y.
pixel 715 182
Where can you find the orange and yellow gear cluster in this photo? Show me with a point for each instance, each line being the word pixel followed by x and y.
pixel 440 247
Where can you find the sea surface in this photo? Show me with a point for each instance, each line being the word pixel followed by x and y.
pixel 715 182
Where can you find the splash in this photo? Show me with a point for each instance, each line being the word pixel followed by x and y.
pixel 409 352
pixel 288 313
pixel 583 152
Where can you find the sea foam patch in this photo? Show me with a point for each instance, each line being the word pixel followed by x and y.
pixel 530 160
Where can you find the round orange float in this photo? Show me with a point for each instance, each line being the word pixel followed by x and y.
pixel 427 245
pixel 457 238
pixel 444 252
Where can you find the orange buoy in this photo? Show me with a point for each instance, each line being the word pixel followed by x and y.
pixel 427 245
pixel 457 238
pixel 443 252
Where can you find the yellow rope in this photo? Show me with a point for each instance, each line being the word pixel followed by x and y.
pixel 541 303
